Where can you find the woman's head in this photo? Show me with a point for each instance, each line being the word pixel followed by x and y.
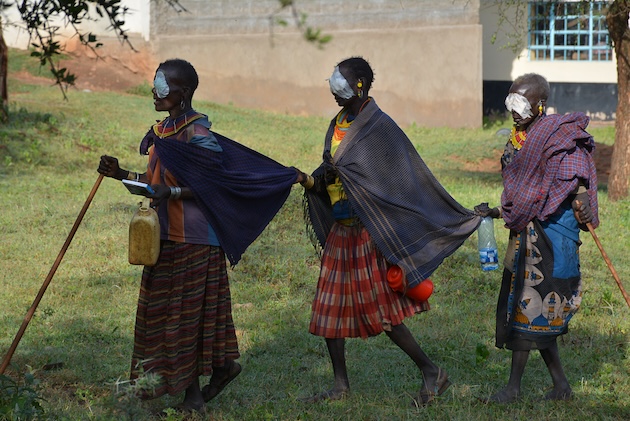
pixel 174 85
pixel 527 98
pixel 352 78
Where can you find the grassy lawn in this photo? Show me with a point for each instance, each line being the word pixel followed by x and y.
pixel 49 153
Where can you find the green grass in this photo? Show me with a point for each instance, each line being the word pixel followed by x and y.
pixel 48 158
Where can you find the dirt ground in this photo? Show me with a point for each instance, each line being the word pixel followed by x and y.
pixel 116 67
pixel 119 68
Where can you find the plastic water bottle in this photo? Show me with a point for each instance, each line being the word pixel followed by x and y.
pixel 488 256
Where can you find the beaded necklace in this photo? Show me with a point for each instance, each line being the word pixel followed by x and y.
pixel 518 138
pixel 168 127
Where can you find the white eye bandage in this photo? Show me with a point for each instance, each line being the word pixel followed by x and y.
pixel 161 86
pixel 519 104
pixel 339 85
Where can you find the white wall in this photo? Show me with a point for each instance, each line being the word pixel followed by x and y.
pixel 136 22
pixel 500 63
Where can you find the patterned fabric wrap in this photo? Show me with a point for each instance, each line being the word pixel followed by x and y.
pixel 557 153
pixel 535 303
pixel 413 220
pixel 353 298
pixel 182 220
pixel 184 321
pixel 239 190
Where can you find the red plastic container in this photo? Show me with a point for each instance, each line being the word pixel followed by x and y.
pixel 395 278
pixel 420 292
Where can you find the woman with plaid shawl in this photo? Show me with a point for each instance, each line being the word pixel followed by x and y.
pixel 373 203
pixel 550 193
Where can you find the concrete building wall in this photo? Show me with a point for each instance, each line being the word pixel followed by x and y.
pixel 425 54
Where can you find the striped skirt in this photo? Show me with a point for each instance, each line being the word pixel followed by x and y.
pixel 353 298
pixel 184 321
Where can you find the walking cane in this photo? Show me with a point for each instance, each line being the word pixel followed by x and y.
pixel 53 269
pixel 608 262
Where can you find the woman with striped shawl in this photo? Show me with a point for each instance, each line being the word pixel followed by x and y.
pixel 550 193
pixel 371 204
pixel 213 198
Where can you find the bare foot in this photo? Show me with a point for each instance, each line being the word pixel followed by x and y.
pixel 432 387
pixel 221 377
pixel 329 395
pixel 559 395
pixel 502 396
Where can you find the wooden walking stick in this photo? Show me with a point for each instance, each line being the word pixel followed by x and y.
pixel 608 262
pixel 53 269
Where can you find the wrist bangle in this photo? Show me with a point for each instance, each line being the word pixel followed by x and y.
pixel 309 182
pixel 176 192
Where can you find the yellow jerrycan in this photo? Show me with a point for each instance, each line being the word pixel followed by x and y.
pixel 144 236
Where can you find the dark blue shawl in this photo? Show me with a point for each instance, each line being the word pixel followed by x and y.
pixel 413 220
pixel 239 190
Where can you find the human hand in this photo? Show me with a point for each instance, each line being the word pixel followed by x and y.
pixel 484 210
pixel 301 176
pixel 108 166
pixel 306 180
pixel 582 208
pixel 162 193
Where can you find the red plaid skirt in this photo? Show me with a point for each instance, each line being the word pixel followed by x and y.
pixel 184 321
pixel 353 298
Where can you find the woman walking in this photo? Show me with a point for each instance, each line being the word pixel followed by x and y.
pixel 374 203
pixel 213 198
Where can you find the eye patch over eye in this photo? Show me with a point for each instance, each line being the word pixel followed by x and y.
pixel 519 104
pixel 161 85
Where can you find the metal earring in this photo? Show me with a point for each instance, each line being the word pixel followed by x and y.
pixel 182 104
pixel 540 109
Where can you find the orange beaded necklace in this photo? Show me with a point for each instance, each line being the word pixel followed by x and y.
pixel 518 138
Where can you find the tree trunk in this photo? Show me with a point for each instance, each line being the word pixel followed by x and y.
pixel 617 20
pixel 4 59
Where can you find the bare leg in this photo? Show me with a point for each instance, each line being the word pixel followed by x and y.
pixel 512 391
pixel 401 336
pixel 435 380
pixel 561 388
pixel 336 349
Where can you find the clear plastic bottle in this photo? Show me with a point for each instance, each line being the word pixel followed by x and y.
pixel 488 255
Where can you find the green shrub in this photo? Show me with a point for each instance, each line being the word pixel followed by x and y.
pixel 20 399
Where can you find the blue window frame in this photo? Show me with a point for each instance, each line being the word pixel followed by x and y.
pixel 568 30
